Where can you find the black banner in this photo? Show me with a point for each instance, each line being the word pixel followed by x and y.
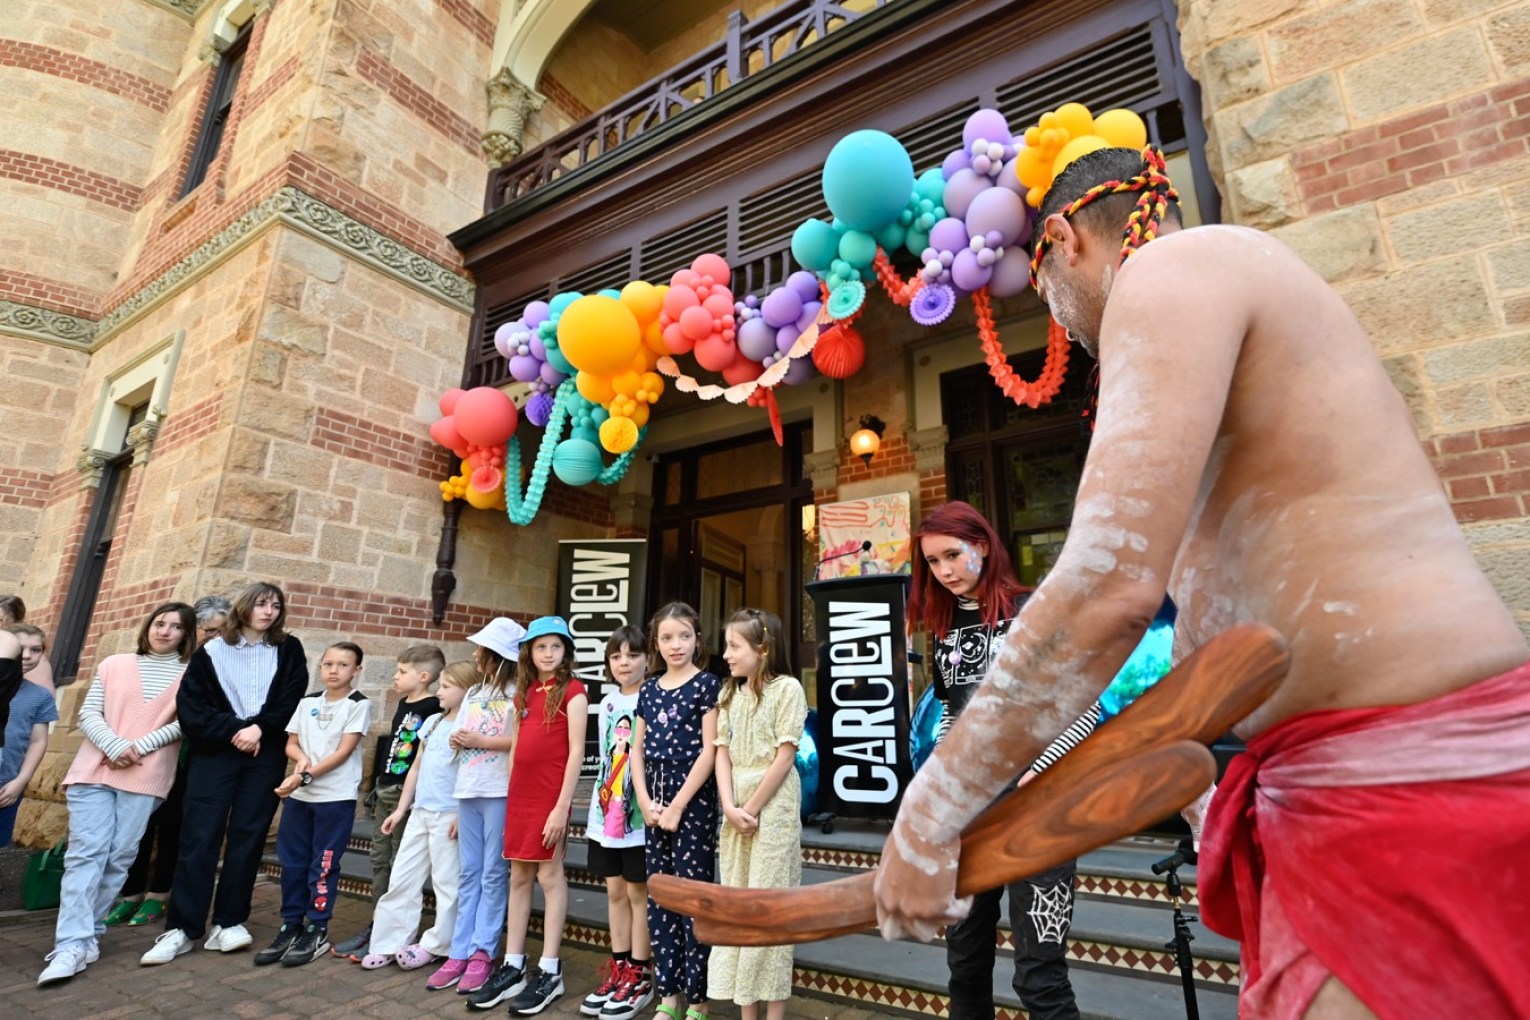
pixel 863 713
pixel 602 584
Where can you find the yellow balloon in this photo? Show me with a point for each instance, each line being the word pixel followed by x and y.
pixel 1076 148
pixel 596 389
pixel 1121 128
pixel 598 334
pixel 1034 196
pixel 484 500
pixel 653 339
pixel 643 301
pixel 627 383
pixel 1047 121
pixel 640 415
pixel 653 385
pixel 1052 139
pixel 1032 168
pixel 1075 119
pixel 1033 136
pixel 618 435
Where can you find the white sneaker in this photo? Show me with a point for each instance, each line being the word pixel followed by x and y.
pixel 63 964
pixel 227 940
pixel 93 950
pixel 167 947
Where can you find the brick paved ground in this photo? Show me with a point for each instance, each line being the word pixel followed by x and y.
pixel 204 985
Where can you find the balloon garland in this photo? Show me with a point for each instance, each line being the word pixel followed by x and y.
pixel 522 509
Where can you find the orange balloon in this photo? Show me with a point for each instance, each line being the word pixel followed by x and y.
pixel 643 300
pixel 1121 128
pixel 1076 148
pixel 1075 119
pixel 596 389
pixel 1032 167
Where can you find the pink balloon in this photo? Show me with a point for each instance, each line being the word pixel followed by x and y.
pixel 961 189
pixel 715 354
pixel 485 416
pixel 741 371
pixel 719 303
pixel 675 339
pixel 448 401
pixel 677 299
pixel 444 431
pixel 695 322
pixel 714 266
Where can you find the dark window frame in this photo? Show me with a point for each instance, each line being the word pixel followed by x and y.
pixel 220 106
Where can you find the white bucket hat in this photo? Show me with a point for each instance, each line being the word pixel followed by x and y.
pixel 502 635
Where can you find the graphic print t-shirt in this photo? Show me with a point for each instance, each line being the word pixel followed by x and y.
pixel 405 746
pixel 480 771
pixel 614 819
pixel 963 656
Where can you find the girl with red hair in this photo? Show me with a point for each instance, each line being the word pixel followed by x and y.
pixel 965 593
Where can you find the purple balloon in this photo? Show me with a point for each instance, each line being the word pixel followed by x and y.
pixel 536 313
pixel 756 339
pixel 780 307
pixel 999 210
pixel 1009 180
pixel 958 160
pixel 809 314
pixel 962 189
pixel 966 273
pixel 799 371
pixel 1011 275
pixel 950 234
pixel 988 125
pixel 539 409
pixel 804 285
pixel 551 376
pixel 538 349
pixel 785 337
pixel 525 368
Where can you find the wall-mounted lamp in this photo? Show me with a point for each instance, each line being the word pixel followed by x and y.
pixel 868 440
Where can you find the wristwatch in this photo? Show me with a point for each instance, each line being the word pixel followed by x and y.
pixel 307 778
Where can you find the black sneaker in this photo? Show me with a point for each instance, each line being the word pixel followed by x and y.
pixel 308 946
pixel 540 992
pixel 507 980
pixel 354 947
pixel 279 946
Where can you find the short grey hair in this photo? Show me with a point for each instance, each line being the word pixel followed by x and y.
pixel 209 606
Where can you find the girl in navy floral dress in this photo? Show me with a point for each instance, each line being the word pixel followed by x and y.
pixel 673 753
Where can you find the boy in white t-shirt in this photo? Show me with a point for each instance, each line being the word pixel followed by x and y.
pixel 320 794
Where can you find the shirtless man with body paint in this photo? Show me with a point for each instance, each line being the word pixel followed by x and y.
pixel 1252 457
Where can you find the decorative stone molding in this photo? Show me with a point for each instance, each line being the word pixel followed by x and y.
pixel 141 436
pixel 511 102
pixel 188 9
pixel 46 325
pixel 308 215
pixel 822 466
pixel 91 465
pixel 929 447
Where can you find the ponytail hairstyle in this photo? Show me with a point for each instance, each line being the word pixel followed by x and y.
pixel 930 604
pixel 526 675
pixel 685 614
pixel 762 631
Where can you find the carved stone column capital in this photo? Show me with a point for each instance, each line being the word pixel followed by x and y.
pixel 141 438
pixel 511 103
pixel 929 448
pixel 91 465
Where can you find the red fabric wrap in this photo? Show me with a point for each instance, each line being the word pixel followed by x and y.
pixel 1389 847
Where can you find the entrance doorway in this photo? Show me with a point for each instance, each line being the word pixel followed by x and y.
pixel 727 532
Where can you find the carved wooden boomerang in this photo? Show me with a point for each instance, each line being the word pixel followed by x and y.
pixel 1144 765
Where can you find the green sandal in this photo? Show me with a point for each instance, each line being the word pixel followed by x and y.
pixel 669 1011
pixel 693 1014
pixel 149 912
pixel 121 912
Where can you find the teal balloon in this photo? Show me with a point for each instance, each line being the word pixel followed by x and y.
pixel 807 763
pixel 867 179
pixel 917 240
pixel 892 236
pixel 556 305
pixel 576 462
pixel 931 185
pixel 859 248
pixel 615 295
pixel 922 728
pixel 556 359
pixel 814 245
pixel 1149 662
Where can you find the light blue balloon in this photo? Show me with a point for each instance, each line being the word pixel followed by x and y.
pixel 615 295
pixel 922 729
pixel 859 248
pixel 867 180
pixel 814 245
pixel 577 461
pixel 917 240
pixel 807 760
pixel 931 185
pixel 1149 663
pixel 562 301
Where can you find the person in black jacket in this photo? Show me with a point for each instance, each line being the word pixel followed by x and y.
pixel 235 700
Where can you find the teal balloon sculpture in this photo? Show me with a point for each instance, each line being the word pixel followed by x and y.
pixel 522 508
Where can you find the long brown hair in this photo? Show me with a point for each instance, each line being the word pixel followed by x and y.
pixel 685 614
pixel 526 675
pixel 188 629
pixel 760 630
pixel 492 665
pixel 244 605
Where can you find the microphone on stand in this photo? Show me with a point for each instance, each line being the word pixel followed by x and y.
pixel 865 546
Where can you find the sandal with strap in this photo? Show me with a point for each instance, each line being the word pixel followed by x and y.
pixel 148 912
pixel 669 1011
pixel 695 1014
pixel 122 912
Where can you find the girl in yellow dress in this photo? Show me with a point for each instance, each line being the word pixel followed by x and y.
pixel 759 724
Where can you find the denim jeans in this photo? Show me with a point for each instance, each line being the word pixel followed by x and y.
pixel 105 826
pixel 484 886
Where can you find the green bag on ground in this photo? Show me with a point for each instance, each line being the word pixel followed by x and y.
pixel 45 871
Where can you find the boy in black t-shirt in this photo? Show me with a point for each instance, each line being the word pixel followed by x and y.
pixel 418 668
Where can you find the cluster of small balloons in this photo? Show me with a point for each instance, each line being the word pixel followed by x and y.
pixel 698 318
pixel 475 425
pixel 768 328
pixel 612 340
pixel 1065 134
pixel 523 345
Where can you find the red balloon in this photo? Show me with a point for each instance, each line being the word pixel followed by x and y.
pixel 445 432
pixel 714 266
pixel 742 370
pixel 675 340
pixel 719 303
pixel 485 416
pixel 678 299
pixel 448 401
pixel 696 323
pixel 715 354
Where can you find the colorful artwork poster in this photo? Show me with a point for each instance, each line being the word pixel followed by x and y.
pixel 845 528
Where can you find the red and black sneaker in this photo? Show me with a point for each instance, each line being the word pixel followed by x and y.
pixel 634 992
pixel 612 971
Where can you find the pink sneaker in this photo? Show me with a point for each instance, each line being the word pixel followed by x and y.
pixel 479 967
pixel 448 974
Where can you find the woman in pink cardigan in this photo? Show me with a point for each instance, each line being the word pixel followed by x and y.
pixel 120 775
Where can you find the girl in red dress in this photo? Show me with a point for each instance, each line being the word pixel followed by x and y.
pixel 551 709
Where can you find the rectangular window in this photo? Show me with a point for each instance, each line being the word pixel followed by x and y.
pixel 210 137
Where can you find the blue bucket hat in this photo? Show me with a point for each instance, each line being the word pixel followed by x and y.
pixel 547 625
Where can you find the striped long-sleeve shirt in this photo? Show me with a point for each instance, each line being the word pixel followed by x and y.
pixel 155 672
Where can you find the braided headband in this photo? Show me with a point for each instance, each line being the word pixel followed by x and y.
pixel 1157 191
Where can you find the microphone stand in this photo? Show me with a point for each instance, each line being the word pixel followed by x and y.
pixel 865 546
pixel 1182 936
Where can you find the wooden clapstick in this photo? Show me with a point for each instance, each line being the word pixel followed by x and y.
pixel 1130 773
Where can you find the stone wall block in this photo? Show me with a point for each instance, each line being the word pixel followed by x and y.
pixel 256 501
pixel 1466 405
pixel 1280 122
pixel 1513 393
pixel 1450 228
pixel 1509 35
pixel 227 544
pixel 1338 34
pixel 1264 194
pixel 1438 67
pixel 1342 245
pixel 1404 373
pixel 1509 266
pixel 1234 71
pixel 289 328
pixel 1478 359
pixel 1222 19
pixel 276 414
pixel 1423 306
